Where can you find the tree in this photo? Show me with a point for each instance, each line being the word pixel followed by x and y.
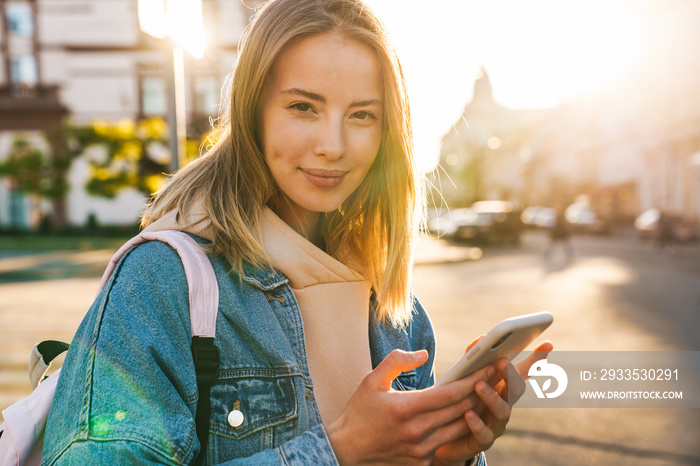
pixel 30 170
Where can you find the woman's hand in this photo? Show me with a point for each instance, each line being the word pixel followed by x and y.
pixel 488 420
pixel 381 425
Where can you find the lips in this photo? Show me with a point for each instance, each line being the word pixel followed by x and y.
pixel 324 178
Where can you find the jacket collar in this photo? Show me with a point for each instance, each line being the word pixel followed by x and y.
pixel 263 279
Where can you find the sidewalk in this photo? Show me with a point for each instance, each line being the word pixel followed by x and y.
pixel 70 264
pixel 54 265
pixel 431 251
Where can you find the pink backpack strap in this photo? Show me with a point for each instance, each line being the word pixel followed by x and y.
pixel 201 279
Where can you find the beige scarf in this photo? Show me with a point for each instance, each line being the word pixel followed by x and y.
pixel 334 304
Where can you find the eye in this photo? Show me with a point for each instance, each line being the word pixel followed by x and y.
pixel 301 107
pixel 363 115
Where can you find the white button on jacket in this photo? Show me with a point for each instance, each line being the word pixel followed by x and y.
pixel 235 418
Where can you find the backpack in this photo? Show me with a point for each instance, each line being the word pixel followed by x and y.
pixel 22 433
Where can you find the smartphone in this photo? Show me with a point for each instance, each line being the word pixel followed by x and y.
pixel 508 338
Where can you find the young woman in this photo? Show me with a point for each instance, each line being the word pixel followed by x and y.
pixel 308 206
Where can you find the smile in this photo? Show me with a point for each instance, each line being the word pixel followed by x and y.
pixel 324 178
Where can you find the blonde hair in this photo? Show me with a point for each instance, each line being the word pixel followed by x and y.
pixel 377 223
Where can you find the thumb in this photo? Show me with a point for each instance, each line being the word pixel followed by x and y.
pixel 394 364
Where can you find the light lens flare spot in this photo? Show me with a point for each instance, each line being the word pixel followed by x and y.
pixel 476 253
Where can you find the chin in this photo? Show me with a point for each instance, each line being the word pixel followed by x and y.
pixel 322 207
pixel 326 209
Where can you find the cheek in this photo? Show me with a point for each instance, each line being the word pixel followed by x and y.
pixel 366 148
pixel 283 146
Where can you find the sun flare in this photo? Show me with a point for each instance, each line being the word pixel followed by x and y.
pixel 180 19
pixel 538 53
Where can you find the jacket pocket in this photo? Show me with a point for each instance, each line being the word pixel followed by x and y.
pixel 406 381
pixel 251 413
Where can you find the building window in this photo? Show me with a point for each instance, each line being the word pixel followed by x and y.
pixel 20 18
pixel 206 95
pixel 23 70
pixel 153 96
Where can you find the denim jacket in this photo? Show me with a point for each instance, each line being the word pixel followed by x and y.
pixel 128 394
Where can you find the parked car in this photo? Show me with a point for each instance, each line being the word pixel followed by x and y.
pixel 584 219
pixel 679 228
pixel 538 217
pixel 434 216
pixel 442 223
pixel 491 222
pixel 529 214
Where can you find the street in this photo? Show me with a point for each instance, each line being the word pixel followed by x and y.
pixel 618 294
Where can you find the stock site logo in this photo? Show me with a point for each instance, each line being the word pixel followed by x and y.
pixel 542 369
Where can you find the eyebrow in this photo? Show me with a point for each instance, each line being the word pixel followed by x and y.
pixel 319 98
pixel 303 93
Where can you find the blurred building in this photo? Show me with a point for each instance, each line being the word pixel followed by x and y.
pixel 482 157
pixel 87 60
pixel 629 147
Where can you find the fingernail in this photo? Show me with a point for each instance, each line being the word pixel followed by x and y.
pixel 490 372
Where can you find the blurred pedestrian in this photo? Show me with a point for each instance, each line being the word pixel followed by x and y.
pixel 559 235
pixel 307 205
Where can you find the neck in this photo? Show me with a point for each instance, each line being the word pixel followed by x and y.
pixel 300 220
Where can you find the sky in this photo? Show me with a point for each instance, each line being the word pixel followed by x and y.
pixel 537 53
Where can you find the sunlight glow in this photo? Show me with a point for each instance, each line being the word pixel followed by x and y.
pixel 538 53
pixel 558 50
pixel 152 17
pixel 180 19
pixel 185 25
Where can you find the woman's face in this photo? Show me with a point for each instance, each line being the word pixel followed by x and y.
pixel 321 113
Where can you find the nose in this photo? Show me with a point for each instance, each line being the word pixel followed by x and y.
pixel 331 138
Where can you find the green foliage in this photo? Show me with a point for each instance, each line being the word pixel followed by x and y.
pixel 29 169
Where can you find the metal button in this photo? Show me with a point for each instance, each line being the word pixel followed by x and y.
pixel 235 418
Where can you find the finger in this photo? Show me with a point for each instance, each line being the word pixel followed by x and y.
pixel 429 431
pixel 441 396
pixel 455 430
pixel 541 352
pixel 483 435
pixel 496 382
pixel 497 406
pixel 434 420
pixel 545 346
pixel 393 365
pixel 514 383
pixel 476 340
